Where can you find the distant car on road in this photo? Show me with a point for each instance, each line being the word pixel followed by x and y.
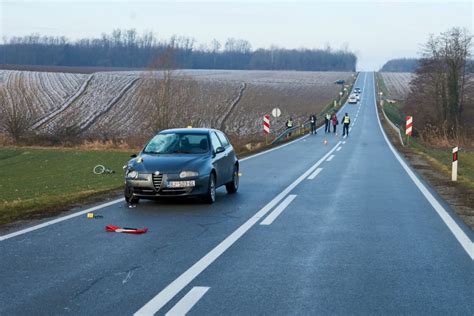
pixel 352 99
pixel 357 90
pixel 182 163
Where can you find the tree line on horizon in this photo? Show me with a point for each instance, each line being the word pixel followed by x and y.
pixel 412 65
pixel 401 65
pixel 128 49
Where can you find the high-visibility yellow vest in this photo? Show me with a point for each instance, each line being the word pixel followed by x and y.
pixel 347 120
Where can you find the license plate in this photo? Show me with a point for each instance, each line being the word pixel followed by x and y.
pixel 181 184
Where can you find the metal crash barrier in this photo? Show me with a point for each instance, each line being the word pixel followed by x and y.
pixel 287 131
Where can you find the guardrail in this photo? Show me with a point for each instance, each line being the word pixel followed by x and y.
pixel 394 126
pixel 290 130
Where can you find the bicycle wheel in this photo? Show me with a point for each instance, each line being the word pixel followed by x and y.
pixel 99 169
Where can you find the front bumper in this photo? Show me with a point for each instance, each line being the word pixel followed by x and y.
pixel 157 186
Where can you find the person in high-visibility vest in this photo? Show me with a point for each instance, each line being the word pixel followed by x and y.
pixel 346 120
pixel 289 124
pixel 327 120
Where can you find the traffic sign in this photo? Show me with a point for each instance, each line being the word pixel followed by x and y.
pixel 276 112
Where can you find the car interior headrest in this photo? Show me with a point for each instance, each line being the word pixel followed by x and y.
pixel 203 144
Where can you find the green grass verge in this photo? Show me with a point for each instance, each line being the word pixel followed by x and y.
pixel 393 110
pixel 442 160
pixel 38 180
pixel 393 113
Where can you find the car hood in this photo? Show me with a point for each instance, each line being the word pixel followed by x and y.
pixel 169 163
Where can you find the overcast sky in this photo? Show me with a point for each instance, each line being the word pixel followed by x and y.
pixel 375 30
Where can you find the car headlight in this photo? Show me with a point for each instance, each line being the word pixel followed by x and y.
pixel 188 174
pixel 132 175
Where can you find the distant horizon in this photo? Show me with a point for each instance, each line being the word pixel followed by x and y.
pixel 375 31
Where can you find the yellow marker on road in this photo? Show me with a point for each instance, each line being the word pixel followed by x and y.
pixel 90 215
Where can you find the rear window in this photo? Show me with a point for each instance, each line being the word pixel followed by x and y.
pixel 177 143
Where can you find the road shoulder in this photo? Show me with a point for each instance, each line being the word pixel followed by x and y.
pixel 459 198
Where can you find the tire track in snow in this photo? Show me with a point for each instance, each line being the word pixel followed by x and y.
pixel 47 118
pixel 233 104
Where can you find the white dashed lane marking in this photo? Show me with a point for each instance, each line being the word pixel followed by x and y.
pixel 188 301
pixel 278 210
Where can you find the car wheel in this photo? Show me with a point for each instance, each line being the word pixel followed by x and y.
pixel 129 198
pixel 233 185
pixel 210 196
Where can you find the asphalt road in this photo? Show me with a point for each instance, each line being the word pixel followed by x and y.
pixel 341 228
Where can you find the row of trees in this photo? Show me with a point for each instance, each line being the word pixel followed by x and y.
pixel 401 65
pixel 127 48
pixel 442 93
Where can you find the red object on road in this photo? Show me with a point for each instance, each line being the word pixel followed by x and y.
pixel 266 124
pixel 409 126
pixel 127 230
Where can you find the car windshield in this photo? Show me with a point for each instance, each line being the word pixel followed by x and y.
pixel 178 143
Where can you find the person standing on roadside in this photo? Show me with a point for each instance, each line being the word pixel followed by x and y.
pixel 346 120
pixel 334 122
pixel 312 120
pixel 289 124
pixel 327 120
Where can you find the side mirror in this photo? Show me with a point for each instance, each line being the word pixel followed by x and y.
pixel 220 149
pixel 133 156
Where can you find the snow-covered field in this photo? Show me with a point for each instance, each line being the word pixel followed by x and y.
pixel 397 83
pixel 113 103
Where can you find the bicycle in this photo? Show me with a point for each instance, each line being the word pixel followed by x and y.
pixel 101 169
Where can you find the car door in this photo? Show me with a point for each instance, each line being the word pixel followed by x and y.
pixel 218 160
pixel 229 157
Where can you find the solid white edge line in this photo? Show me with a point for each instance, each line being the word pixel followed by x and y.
pixel 275 148
pixel 315 173
pixel 60 219
pixel 278 210
pixel 330 158
pixel 460 235
pixel 163 297
pixel 188 301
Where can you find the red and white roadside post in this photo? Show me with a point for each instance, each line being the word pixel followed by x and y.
pixel 266 127
pixel 454 173
pixel 409 127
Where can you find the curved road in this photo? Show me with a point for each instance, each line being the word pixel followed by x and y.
pixel 342 228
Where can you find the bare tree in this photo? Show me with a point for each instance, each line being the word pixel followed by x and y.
pixel 439 89
pixel 17 113
pixel 169 92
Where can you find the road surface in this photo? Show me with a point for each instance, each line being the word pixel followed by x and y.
pixel 342 228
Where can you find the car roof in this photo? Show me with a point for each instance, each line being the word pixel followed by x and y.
pixel 187 130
